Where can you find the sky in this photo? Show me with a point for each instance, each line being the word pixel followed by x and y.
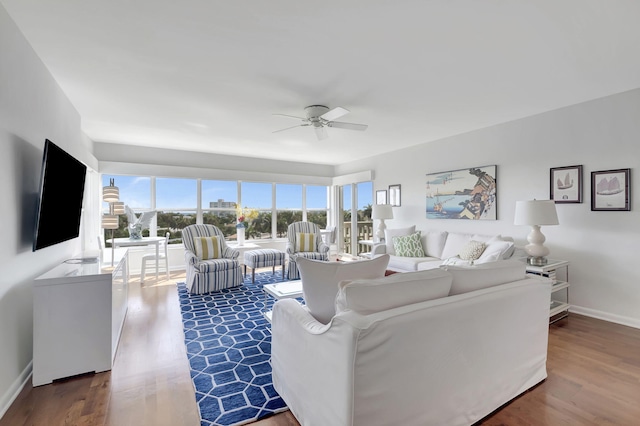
pixel 181 194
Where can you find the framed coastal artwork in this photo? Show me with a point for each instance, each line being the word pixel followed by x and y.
pixel 462 194
pixel 565 184
pixel 381 196
pixel 394 195
pixel 610 190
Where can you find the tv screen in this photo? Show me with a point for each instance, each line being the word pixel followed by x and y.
pixel 60 202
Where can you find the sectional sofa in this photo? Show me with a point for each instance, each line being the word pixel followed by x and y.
pixel 445 346
pixel 440 247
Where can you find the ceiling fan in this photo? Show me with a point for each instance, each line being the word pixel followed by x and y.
pixel 321 117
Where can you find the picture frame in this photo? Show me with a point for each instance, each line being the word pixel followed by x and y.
pixel 394 195
pixel 381 196
pixel 466 194
pixel 610 190
pixel 565 184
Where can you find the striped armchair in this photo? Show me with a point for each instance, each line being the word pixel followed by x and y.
pixel 315 249
pixel 205 276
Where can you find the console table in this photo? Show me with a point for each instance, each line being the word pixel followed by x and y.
pixel 78 315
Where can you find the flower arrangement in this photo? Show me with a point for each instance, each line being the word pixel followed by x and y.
pixel 245 216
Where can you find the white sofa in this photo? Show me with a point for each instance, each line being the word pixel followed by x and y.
pixel 439 246
pixel 400 351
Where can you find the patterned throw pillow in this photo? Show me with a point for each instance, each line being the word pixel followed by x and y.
pixel 207 248
pixel 305 242
pixel 472 250
pixel 408 245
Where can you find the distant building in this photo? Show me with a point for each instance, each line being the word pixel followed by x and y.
pixel 221 204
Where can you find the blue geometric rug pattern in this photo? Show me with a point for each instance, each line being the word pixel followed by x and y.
pixel 228 343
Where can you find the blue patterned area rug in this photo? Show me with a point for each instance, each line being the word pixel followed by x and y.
pixel 228 344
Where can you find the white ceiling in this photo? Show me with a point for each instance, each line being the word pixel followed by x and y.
pixel 207 75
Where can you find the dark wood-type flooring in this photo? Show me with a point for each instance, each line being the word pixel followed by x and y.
pixel 593 366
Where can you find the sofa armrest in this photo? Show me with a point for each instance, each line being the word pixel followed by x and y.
pixel 290 248
pixel 230 253
pixel 378 248
pixel 191 258
pixel 305 351
pixel 323 248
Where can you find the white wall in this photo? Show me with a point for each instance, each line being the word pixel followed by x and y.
pixel 32 108
pixel 602 246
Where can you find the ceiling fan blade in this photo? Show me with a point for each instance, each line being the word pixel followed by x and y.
pixel 321 133
pixel 287 128
pixel 332 114
pixel 291 116
pixel 350 126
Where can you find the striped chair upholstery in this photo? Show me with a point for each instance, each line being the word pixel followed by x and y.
pixel 321 251
pixel 205 276
pixel 262 258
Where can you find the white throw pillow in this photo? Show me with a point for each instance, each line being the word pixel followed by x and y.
pixel 496 249
pixel 455 242
pixel 320 281
pixel 470 278
pixel 435 243
pixel 398 232
pixel 375 295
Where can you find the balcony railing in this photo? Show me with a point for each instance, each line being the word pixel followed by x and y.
pixel 365 232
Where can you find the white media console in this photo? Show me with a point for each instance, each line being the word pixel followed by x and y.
pixel 78 314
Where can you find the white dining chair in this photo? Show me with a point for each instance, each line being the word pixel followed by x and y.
pixel 163 256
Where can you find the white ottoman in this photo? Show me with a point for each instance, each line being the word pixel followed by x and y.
pixel 263 258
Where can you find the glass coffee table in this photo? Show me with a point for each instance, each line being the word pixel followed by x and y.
pixel 284 290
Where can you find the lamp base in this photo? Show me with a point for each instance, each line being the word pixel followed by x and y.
pixel 537 261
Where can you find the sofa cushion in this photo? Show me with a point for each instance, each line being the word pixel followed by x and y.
pixel 207 248
pixel 435 241
pixel 472 250
pixel 409 264
pixel 470 278
pixel 320 281
pixel 398 232
pixel 375 295
pixel 408 245
pixel 455 241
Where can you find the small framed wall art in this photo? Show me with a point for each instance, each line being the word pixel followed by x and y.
pixel 565 184
pixel 394 195
pixel 381 196
pixel 610 190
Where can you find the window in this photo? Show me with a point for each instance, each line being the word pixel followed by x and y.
pixel 288 207
pixel 135 192
pixel 218 203
pixel 176 204
pixel 316 204
pixel 255 196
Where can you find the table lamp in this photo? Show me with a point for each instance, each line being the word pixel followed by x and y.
pixel 536 213
pixel 381 212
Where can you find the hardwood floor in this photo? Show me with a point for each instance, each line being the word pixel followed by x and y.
pixel 593 366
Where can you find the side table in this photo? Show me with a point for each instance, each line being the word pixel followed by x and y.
pixel 558 308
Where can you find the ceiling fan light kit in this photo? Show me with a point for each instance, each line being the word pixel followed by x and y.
pixel 320 117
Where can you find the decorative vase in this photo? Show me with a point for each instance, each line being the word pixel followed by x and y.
pixel 240 232
pixel 135 232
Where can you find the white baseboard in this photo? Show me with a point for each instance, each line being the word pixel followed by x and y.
pixel 15 389
pixel 606 316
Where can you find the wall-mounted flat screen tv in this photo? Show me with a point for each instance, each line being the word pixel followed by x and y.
pixel 62 179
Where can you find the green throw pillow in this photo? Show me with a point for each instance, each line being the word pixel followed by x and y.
pixel 408 245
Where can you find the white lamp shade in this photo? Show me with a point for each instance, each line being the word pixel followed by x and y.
pixel 536 212
pixel 110 221
pixel 110 194
pixel 382 211
pixel 118 207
